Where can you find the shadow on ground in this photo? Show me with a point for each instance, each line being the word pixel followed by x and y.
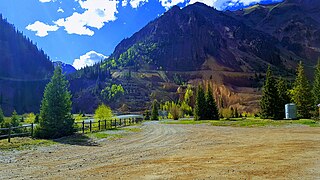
pixel 77 139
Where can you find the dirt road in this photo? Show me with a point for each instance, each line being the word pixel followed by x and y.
pixel 163 151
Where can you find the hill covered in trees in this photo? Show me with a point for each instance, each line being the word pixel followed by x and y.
pixel 24 71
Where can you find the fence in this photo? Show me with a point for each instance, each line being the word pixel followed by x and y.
pixel 26 130
pixel 91 126
pixel 83 127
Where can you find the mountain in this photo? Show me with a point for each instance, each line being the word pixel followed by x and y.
pixel 230 49
pixel 295 23
pixel 194 37
pixel 24 71
pixel 66 68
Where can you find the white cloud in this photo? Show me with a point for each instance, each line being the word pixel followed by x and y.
pixel 41 28
pixel 169 3
pixel 207 2
pixel 89 59
pixel 45 1
pixel 60 10
pixel 124 3
pixel 137 3
pixel 96 14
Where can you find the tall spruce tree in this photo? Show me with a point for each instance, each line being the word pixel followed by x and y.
pixel 56 118
pixel 15 119
pixel 212 112
pixel 200 105
pixel 269 98
pixel 283 98
pixel 316 85
pixel 154 112
pixel 301 94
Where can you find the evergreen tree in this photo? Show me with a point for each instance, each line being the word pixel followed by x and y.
pixel 200 105
pixel 147 115
pixel 1 117
pixel 283 98
pixel 154 112
pixel 269 98
pixel 15 119
pixel 301 94
pixel 55 114
pixel 36 120
pixel 212 112
pixel 316 85
pixel 236 114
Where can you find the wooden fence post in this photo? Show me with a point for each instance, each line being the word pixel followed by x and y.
pixel 90 126
pixel 82 127
pixel 105 124
pixel 9 135
pixel 115 123
pixel 99 124
pixel 32 130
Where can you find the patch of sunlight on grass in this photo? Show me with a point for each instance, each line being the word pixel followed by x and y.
pixel 21 143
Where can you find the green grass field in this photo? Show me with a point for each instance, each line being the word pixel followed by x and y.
pixel 23 143
pixel 248 122
pixel 77 139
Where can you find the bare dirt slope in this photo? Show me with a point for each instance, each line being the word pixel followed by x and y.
pixel 177 152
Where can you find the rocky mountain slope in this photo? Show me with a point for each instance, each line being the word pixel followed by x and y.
pixel 295 23
pixel 185 39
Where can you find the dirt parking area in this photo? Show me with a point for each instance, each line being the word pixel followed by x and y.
pixel 163 151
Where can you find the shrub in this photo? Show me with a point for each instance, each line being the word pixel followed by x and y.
pixel 103 112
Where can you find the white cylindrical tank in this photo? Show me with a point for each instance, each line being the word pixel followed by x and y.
pixel 291 111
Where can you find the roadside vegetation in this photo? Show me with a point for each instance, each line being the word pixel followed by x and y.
pixel 249 122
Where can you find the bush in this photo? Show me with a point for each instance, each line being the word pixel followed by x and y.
pixel 174 112
pixel 227 113
pixel 103 112
pixel 30 118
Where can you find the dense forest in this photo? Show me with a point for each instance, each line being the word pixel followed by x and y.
pixel 24 71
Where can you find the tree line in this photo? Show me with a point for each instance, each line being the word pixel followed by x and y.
pixel 202 105
pixel 277 92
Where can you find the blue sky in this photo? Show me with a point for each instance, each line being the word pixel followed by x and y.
pixel 81 32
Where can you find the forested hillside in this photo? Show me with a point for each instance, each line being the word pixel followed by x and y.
pixel 24 71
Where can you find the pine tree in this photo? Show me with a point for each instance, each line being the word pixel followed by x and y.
pixel 283 98
pixel 236 113
pixel 316 85
pixel 15 119
pixel 154 112
pixel 269 98
pixel 212 112
pixel 301 94
pixel 200 105
pixel 55 113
